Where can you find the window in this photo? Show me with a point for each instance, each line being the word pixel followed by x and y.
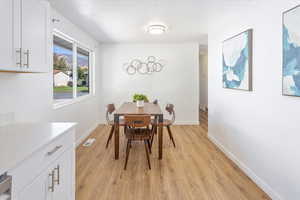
pixel 62 69
pixel 83 68
pixel 71 77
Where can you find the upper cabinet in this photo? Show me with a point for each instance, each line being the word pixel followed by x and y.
pixel 7 50
pixel 25 35
pixel 35 37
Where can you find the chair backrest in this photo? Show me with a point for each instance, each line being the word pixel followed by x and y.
pixel 110 108
pixel 155 102
pixel 171 111
pixel 137 121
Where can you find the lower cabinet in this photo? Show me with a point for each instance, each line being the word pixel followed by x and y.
pixel 57 182
pixel 38 189
pixel 63 177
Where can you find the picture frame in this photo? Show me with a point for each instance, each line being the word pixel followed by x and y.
pixel 237 57
pixel 291 52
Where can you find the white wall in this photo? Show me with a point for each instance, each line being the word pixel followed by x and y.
pixel 203 73
pixel 177 83
pixel 29 96
pixel 259 129
pixel 86 113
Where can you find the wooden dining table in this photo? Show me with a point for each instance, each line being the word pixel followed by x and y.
pixel 129 108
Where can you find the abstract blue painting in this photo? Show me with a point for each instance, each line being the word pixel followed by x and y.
pixel 237 61
pixel 291 53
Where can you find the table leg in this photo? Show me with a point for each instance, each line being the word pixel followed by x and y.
pixel 117 136
pixel 160 136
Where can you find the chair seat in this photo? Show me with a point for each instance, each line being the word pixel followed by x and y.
pixel 121 122
pixel 166 122
pixel 138 133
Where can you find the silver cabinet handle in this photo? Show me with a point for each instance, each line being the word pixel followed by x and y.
pixel 54 150
pixel 57 169
pixel 51 187
pixel 26 53
pixel 19 62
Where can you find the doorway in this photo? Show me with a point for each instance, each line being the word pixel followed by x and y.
pixel 203 84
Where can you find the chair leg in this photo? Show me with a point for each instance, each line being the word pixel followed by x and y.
pixel 127 153
pixel 171 135
pixel 152 138
pixel 152 128
pixel 110 135
pixel 149 146
pixel 147 153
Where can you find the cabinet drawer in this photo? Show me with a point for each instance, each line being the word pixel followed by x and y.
pixel 34 165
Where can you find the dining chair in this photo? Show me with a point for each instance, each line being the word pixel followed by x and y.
pixel 166 123
pixel 110 108
pixel 137 130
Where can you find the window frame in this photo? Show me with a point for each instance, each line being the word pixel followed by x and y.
pixel 75 44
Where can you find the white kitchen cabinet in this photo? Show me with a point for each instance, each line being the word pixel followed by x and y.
pixel 35 35
pixel 54 183
pixel 64 168
pixel 9 10
pixel 42 168
pixel 38 189
pixel 24 35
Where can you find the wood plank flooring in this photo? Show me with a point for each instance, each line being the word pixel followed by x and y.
pixel 194 170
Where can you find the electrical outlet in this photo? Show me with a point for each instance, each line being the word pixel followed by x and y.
pixel 7 118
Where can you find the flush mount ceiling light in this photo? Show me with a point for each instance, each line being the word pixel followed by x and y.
pixel 156 29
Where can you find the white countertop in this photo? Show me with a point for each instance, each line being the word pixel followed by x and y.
pixel 20 141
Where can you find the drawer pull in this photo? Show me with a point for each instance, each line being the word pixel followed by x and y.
pixel 51 187
pixel 50 153
pixel 19 51
pixel 57 169
pixel 26 53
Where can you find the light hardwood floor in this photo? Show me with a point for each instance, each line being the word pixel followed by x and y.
pixel 195 169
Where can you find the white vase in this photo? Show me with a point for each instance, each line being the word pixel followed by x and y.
pixel 140 104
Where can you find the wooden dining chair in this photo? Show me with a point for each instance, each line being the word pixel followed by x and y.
pixel 137 130
pixel 110 108
pixel 166 123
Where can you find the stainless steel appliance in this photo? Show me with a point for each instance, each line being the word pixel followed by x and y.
pixel 5 187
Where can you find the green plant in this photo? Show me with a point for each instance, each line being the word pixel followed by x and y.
pixel 140 97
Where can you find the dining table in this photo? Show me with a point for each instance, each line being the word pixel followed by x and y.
pixel 130 108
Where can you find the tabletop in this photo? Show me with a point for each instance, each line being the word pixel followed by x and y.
pixel 130 108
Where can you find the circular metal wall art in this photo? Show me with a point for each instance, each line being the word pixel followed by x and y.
pixel 144 68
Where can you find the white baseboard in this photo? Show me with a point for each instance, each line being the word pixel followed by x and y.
pixel 186 123
pixel 176 123
pixel 86 134
pixel 261 183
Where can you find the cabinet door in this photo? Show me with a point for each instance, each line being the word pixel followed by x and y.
pixel 9 34
pixel 65 174
pixel 35 35
pixel 38 189
pixel 55 183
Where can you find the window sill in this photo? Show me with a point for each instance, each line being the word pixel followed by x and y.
pixel 64 103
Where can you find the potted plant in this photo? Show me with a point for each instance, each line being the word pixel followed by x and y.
pixel 140 99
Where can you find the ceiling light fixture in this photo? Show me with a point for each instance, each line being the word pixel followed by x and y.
pixel 156 29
